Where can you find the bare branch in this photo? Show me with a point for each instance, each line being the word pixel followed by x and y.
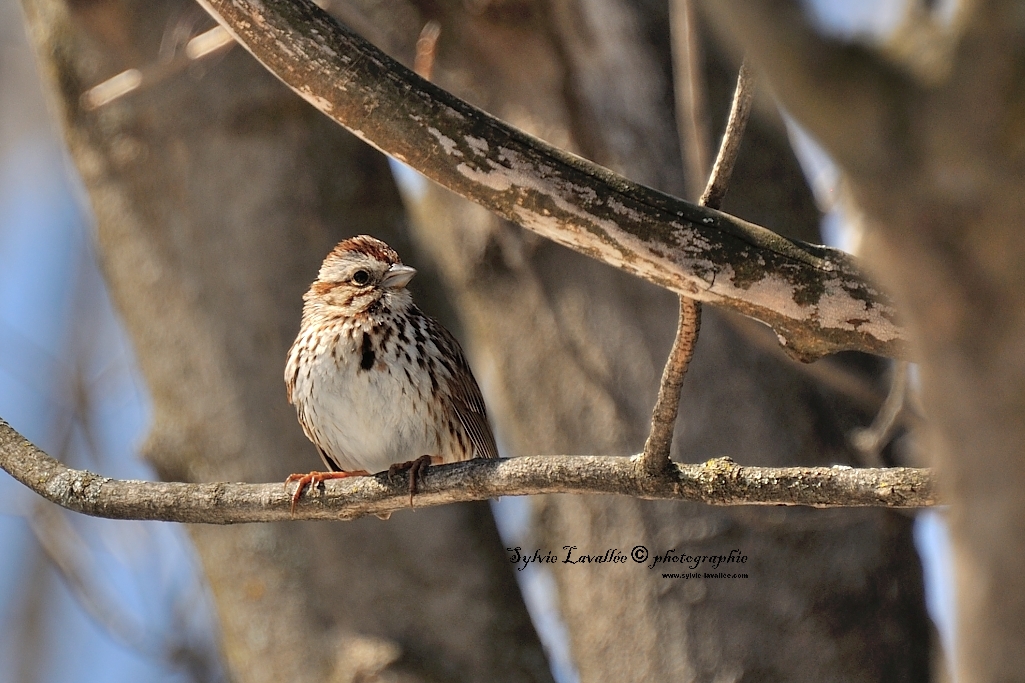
pixel 729 149
pixel 716 482
pixel 663 417
pixel 203 45
pixel 815 298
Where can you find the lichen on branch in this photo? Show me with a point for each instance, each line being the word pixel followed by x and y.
pixel 716 482
pixel 815 298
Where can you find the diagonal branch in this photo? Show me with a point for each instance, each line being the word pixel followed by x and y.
pixel 815 298
pixel 716 482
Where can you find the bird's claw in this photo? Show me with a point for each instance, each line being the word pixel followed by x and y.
pixel 316 479
pixel 416 468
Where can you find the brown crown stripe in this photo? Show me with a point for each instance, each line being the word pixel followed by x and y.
pixel 365 244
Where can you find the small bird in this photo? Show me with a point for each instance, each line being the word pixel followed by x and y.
pixel 378 385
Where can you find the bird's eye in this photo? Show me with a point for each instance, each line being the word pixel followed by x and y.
pixel 361 277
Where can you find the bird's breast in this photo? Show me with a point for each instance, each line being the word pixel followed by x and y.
pixel 368 399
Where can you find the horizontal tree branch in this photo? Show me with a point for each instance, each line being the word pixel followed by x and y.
pixel 815 298
pixel 716 482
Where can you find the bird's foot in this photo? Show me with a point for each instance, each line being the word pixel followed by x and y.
pixel 417 468
pixel 315 479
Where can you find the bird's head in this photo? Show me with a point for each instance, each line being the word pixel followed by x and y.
pixel 359 274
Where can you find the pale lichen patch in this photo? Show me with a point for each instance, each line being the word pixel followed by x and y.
pixel 773 292
pixel 624 210
pixel 690 239
pixel 453 114
pixel 447 143
pixel 565 209
pixel 478 145
pixel 71 486
pixel 496 181
pixel 840 310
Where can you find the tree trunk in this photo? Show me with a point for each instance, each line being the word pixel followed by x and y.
pixel 571 353
pixel 217 193
pixel 928 131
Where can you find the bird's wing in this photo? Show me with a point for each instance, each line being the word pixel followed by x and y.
pixel 467 400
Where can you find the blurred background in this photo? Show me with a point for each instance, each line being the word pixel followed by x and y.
pixel 83 599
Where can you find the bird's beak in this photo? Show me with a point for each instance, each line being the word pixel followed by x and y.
pixel 397 276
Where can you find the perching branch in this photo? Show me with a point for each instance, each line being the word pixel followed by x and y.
pixel 663 419
pixel 815 298
pixel 716 482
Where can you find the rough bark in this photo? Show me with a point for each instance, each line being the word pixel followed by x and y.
pixel 716 482
pixel 570 352
pixel 216 195
pixel 813 297
pixel 929 135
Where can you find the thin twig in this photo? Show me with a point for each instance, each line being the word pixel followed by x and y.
pixel 740 111
pixel 716 482
pixel 663 416
pixel 871 441
pixel 689 89
pixel 211 42
pixel 663 419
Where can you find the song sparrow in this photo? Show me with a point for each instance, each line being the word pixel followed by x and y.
pixel 378 385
